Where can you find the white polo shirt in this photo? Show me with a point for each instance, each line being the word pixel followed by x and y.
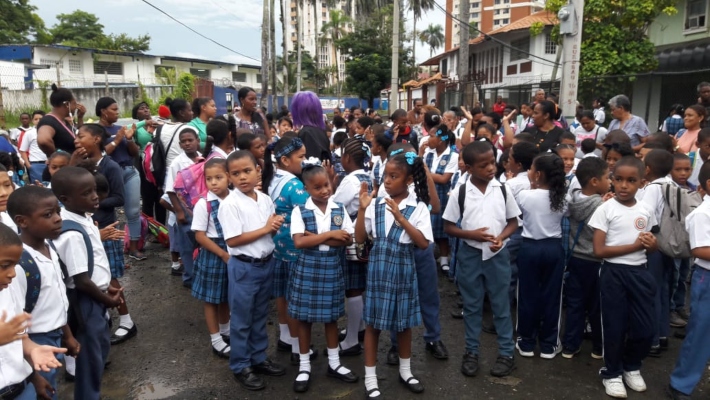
pixel 13 367
pixel 30 146
pixel 539 221
pixel 201 218
pixel 697 223
pixel 622 225
pixel 239 213
pixel 50 311
pixel 7 221
pixel 652 196
pixel 449 168
pixel 420 218
pixel 72 250
pixel 348 192
pixel 180 162
pixel 482 210
pixel 323 220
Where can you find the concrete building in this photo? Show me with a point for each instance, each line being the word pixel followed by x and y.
pixel 488 15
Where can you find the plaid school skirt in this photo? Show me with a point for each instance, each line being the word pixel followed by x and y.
pixel 392 296
pixel 317 290
pixel 282 277
pixel 210 282
pixel 437 222
pixel 354 274
pixel 114 253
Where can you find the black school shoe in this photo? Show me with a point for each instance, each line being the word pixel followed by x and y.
pixel 283 346
pixel 225 338
pixel 249 380
pixel 469 365
pixel 355 350
pixel 269 368
pixel 302 386
pixel 393 356
pixel 116 339
pixel 437 350
pixel 413 387
pixel 504 366
pixel 655 352
pixel 347 378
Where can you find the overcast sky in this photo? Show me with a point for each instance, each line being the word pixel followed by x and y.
pixel 235 23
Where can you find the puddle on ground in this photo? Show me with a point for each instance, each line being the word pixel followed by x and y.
pixel 154 391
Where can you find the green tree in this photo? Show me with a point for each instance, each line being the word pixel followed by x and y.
pixel 433 36
pixel 618 46
pixel 83 29
pixel 19 24
pixel 335 30
pixel 123 42
pixel 308 70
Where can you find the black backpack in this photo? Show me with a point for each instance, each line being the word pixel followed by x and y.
pixel 159 156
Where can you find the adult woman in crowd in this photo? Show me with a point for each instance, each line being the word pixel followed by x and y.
pixel 546 133
pixel 634 126
pixel 589 129
pixel 308 118
pixel 124 150
pixel 249 116
pixel 54 131
pixel 204 109
pixel 694 120
pixel 150 204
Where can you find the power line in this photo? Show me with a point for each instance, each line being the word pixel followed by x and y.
pixel 199 34
pixel 486 36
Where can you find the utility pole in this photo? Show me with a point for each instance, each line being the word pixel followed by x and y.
pixel 2 107
pixel 59 78
pixel 394 83
pixel 571 19
pixel 464 34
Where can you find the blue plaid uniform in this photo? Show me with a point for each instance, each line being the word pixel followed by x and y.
pixel 210 283
pixel 317 289
pixel 391 296
pixel 114 253
pixel 443 189
pixel 378 172
pixel 355 272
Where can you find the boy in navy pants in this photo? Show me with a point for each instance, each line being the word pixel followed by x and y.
pixel 489 218
pixel 695 352
pixel 622 238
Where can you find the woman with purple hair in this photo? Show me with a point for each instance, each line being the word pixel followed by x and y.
pixel 308 118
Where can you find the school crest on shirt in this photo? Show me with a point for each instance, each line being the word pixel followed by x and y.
pixel 337 220
pixel 640 223
pixel 442 163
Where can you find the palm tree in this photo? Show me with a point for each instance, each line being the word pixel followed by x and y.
pixel 418 7
pixel 433 36
pixel 334 30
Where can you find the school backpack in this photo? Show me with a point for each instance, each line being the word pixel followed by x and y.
pixel 673 239
pixel 190 185
pixel 155 156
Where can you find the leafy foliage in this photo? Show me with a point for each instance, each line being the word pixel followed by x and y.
pixel 433 36
pixel 82 29
pixel 19 24
pixel 308 71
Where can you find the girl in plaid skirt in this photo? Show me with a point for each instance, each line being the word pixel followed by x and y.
pixel 210 282
pixel 443 162
pixel 321 229
pixel 398 222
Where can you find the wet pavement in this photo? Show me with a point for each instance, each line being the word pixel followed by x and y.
pixel 171 357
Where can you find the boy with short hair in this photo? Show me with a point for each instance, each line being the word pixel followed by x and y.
pixel 582 284
pixel 568 138
pixel 17 351
pixel 76 188
pixel 34 158
pixel 35 211
pixel 588 147
pixel 488 218
pixel 682 169
pixel 695 351
pixel 621 238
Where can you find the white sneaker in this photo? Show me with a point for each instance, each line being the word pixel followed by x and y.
pixel 615 388
pixel 524 353
pixel 549 356
pixel 634 381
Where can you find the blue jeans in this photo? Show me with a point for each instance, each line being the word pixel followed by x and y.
pixel 427 281
pixel 53 338
pixel 249 290
pixel 132 204
pixel 679 288
pixel 35 171
pixel 695 351
pixel 95 344
pixel 478 277
pixel 186 245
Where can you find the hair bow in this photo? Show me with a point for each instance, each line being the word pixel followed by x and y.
pixel 411 156
pixel 311 162
pixel 295 144
pixel 395 152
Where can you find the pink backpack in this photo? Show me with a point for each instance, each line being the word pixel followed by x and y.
pixel 190 183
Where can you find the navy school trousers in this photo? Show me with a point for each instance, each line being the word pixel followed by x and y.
pixel 661 266
pixel 582 288
pixel 628 316
pixel 95 344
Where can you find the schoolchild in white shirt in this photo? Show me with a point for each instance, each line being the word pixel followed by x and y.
pixel 622 238
pixel 248 221
pixel 6 189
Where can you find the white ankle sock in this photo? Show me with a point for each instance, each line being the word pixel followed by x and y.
pixel 217 342
pixel 353 307
pixel 444 260
pixel 284 333
pixel 175 265
pixel 224 329
pixel 334 361
pixel 125 321
pixel 295 348
pixel 305 365
pixel 70 365
pixel 405 369
pixel 371 380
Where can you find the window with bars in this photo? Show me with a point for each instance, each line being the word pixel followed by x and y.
pixel 258 78
pixel 50 62
pixel 695 14
pixel 108 67
pixel 521 46
pixel 239 76
pixel 75 66
pixel 550 45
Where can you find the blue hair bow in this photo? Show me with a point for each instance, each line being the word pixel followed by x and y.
pixel 411 156
pixel 311 162
pixel 395 152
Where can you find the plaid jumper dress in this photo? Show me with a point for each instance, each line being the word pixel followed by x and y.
pixel 391 296
pixel 317 289
pixel 355 272
pixel 210 282
pixel 442 189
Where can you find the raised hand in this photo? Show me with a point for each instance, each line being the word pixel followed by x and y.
pixel 365 197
